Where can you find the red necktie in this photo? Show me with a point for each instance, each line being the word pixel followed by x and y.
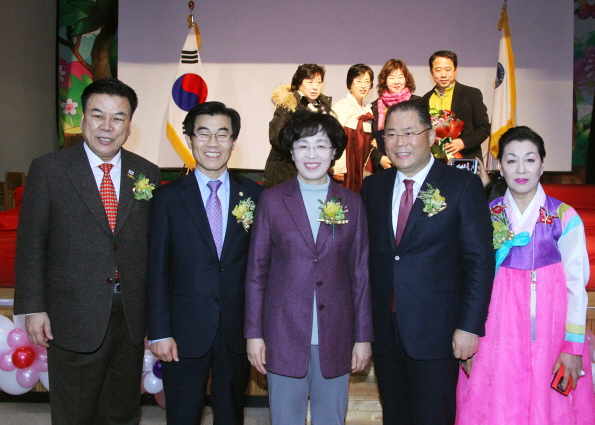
pixel 404 210
pixel 108 195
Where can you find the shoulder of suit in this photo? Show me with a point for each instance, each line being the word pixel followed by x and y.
pixel 249 183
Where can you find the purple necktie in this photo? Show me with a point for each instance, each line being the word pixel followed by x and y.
pixel 214 215
pixel 404 210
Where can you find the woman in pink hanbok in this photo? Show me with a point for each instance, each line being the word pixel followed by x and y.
pixel 537 315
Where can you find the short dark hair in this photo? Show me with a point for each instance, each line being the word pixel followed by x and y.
pixel 390 66
pixel 520 134
pixel 412 105
pixel 303 123
pixel 112 87
pixel 444 54
pixel 307 70
pixel 212 108
pixel 358 70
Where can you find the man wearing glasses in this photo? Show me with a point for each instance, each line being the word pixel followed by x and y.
pixel 431 271
pixel 197 264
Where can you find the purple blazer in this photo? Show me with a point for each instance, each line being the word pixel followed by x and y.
pixel 285 267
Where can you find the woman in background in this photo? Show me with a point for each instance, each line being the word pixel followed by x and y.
pixel 537 316
pixel 308 310
pixel 395 85
pixel 305 92
pixel 355 115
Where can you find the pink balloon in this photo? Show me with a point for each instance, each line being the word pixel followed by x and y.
pixel 18 338
pixel 40 366
pixel 6 361
pixel 27 378
pixel 160 398
pixel 41 356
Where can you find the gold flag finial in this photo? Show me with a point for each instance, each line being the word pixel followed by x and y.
pixel 191 16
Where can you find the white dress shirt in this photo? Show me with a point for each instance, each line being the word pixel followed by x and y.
pixel 115 172
pixel 399 188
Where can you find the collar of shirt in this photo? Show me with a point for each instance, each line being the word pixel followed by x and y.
pixel 222 193
pixel 524 222
pixel 399 188
pixel 442 100
pixel 115 173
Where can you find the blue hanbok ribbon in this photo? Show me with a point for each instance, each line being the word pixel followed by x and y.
pixel 521 239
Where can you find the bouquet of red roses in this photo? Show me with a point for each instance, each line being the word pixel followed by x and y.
pixel 447 127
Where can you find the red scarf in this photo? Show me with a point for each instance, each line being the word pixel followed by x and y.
pixel 389 99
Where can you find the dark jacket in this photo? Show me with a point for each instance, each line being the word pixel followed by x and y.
pixel 67 254
pixel 467 104
pixel 443 269
pixel 279 168
pixel 190 290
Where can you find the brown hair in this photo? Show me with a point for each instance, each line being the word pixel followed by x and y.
pixel 390 66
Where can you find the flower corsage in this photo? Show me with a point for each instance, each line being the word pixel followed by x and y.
pixel 332 212
pixel 433 201
pixel 501 226
pixel 143 190
pixel 244 212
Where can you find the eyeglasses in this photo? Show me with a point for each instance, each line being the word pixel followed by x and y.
pixel 319 149
pixel 406 136
pixel 205 136
pixel 360 83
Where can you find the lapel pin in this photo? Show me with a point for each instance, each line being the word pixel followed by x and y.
pixel 241 193
pixel 131 174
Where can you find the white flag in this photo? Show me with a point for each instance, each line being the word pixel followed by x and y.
pixel 504 106
pixel 188 90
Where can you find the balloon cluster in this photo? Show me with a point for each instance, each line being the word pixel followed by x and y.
pixel 22 364
pixel 151 381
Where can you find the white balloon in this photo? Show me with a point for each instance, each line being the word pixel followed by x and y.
pixel 6 326
pixel 19 321
pixel 148 361
pixel 44 377
pixel 8 383
pixel 152 384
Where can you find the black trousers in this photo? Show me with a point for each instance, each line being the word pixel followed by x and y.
pixel 415 392
pixel 102 387
pixel 185 385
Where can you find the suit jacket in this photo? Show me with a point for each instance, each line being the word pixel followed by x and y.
pixel 67 254
pixel 190 291
pixel 467 104
pixel 285 267
pixel 443 269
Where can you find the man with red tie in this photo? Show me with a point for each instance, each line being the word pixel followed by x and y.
pixel 81 263
pixel 198 250
pixel 431 271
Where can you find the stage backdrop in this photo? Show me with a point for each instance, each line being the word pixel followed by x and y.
pixel 249 47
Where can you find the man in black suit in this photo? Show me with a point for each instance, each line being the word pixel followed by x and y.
pixel 466 102
pixel 197 265
pixel 81 263
pixel 431 271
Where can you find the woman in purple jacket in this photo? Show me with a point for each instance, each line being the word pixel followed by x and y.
pixel 308 311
